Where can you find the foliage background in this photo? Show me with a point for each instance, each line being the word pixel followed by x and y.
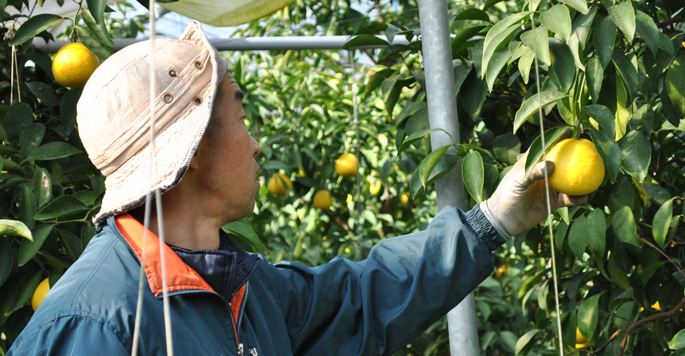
pixel 613 71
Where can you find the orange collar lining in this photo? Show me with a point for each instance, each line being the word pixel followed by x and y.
pixel 179 275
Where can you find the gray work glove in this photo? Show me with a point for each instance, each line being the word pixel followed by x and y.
pixel 519 202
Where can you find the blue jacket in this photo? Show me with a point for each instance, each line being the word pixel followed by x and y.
pixel 227 301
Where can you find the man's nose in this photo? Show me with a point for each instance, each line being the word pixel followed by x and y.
pixel 256 146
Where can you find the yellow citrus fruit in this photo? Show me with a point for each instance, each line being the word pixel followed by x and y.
pixel 502 271
pixel 346 165
pixel 279 184
pixel 404 199
pixel 375 187
pixel 73 65
pixel 578 167
pixel 581 341
pixel 323 200
pixel 656 306
pixel 40 293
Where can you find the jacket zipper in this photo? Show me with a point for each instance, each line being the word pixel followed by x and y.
pixel 235 319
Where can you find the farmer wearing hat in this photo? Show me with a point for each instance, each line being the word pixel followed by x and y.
pixel 223 300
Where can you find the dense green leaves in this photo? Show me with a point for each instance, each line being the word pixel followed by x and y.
pixel 531 105
pixel 34 26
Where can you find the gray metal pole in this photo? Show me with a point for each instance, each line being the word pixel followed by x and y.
pixel 442 113
pixel 246 43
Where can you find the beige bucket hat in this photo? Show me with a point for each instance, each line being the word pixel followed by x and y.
pixel 113 115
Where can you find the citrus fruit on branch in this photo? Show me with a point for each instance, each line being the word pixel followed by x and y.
pixel 323 200
pixel 279 184
pixel 40 293
pixel 346 165
pixel 73 65
pixel 578 167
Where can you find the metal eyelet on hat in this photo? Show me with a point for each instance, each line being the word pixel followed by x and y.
pixel 198 65
pixel 167 98
pixel 172 73
pixel 197 101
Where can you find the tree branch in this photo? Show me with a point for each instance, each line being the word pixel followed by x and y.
pixel 635 325
pixel 663 253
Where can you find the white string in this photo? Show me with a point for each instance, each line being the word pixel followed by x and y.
pixel 158 196
pixel 355 116
pixel 549 206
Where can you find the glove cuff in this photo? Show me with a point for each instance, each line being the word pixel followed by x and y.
pixel 493 220
pixel 483 228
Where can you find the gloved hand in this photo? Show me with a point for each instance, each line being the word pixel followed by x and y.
pixel 519 202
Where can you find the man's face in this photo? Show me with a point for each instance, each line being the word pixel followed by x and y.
pixel 226 157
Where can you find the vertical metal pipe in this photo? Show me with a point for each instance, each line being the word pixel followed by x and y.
pixel 442 113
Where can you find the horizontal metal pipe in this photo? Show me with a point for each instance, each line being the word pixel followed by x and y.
pixel 248 43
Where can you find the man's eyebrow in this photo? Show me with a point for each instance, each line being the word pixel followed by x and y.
pixel 239 95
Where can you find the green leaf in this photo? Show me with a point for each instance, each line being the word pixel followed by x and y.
pixel 594 72
pixel 53 150
pixel 624 17
pixel 661 222
pixel 536 151
pixel 362 41
pixel 498 35
pixel 531 105
pixel 6 260
pixel 618 276
pixel 67 110
pixel 473 98
pixel 28 249
pixel 524 340
pixel 636 154
pixel 596 231
pixel 42 185
pixel 14 228
pixel 98 30
pixel 675 84
pixel 33 26
pixel 390 91
pixel 577 237
pixel 415 136
pixel 431 161
pixel 579 5
pixel 604 39
pixel 558 20
pixel 538 41
pixel 91 42
pixel 623 224
pixel 678 341
pixel 473 174
pixel 497 62
pixel 647 30
pixel 27 206
pixel 17 119
pixel 507 147
pixel 97 9
pixel 472 13
pixel 588 313
pixel 244 230
pixel 31 137
pixel 603 116
pixel 562 70
pixel 377 79
pixel 627 72
pixel 581 28
pixel 526 62
pixel 63 206
pixel 43 92
pixel 609 151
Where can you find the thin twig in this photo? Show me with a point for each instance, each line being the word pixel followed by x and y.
pixel 663 253
pixel 637 324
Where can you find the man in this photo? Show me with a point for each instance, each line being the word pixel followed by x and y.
pixel 222 300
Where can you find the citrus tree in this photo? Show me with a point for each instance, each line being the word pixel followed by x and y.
pixel 612 72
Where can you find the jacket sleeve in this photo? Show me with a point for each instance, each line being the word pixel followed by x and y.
pixel 375 306
pixel 69 335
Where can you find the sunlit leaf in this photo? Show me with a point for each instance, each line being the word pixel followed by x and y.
pixel 498 35
pixel 594 72
pixel 562 70
pixel 524 340
pixel 244 230
pixel 661 223
pixel 596 230
pixel 431 161
pixel 579 5
pixel 624 226
pixel 624 17
pixel 535 102
pixel 498 60
pixel 647 30
pixel 577 236
pixel 603 116
pixel 362 41
pixel 28 249
pixel 675 84
pixel 558 20
pixel 678 341
pixel 14 228
pixel 627 72
pixel 588 314
pixel 53 150
pixel 581 28
pixel 538 41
